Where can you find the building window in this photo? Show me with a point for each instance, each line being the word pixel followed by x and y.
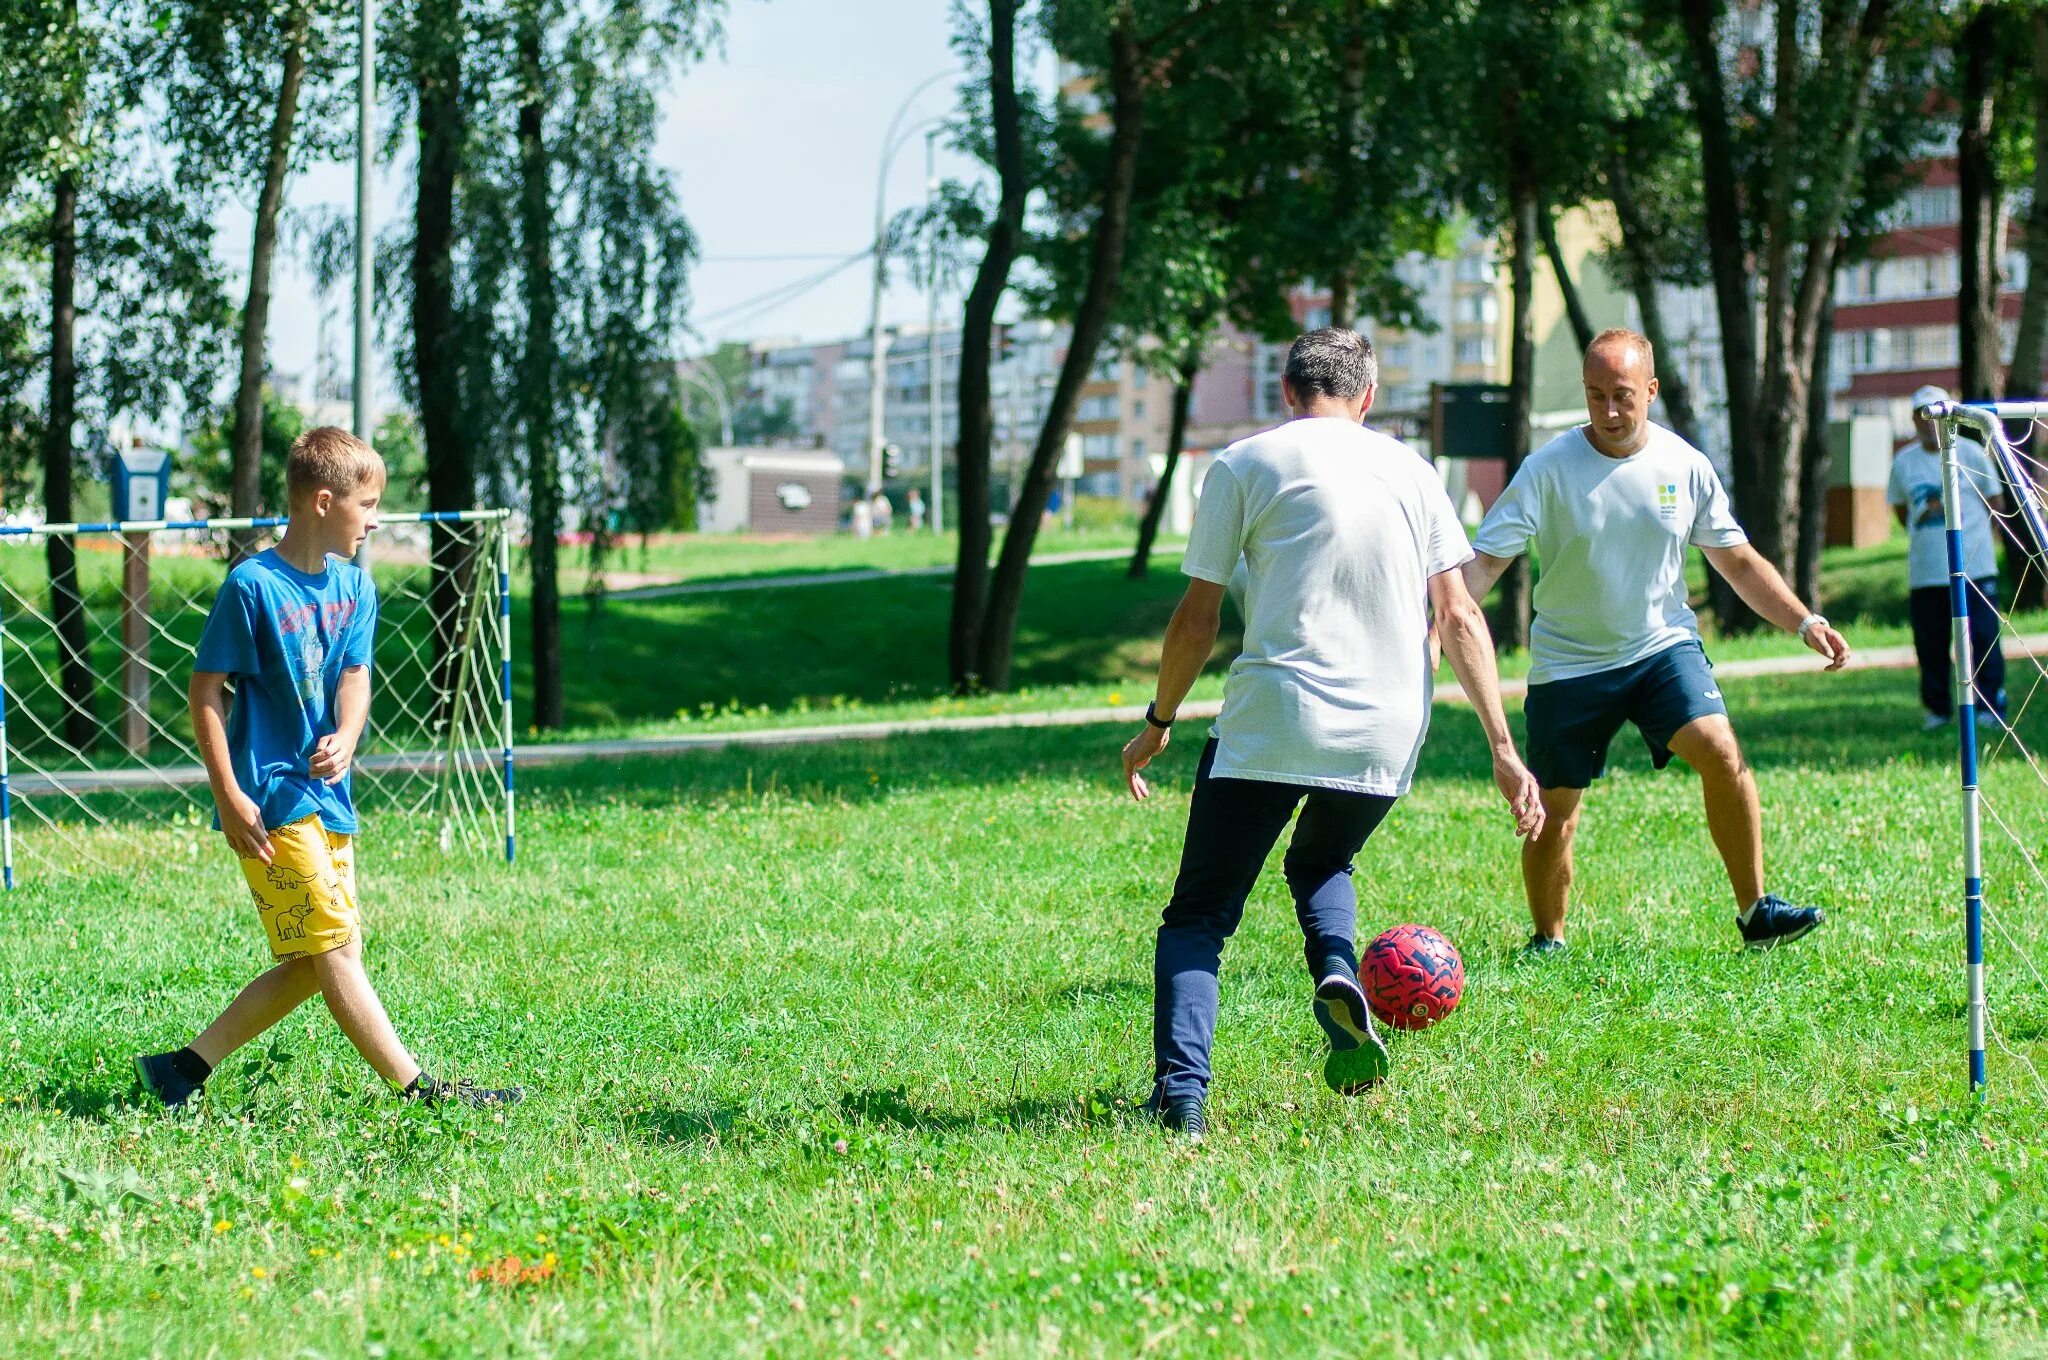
pixel 1474 269
pixel 1137 410
pixel 1477 309
pixel 1097 408
pixel 1477 350
pixel 1098 446
pixel 1138 449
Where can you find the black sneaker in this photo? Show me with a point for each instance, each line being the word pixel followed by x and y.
pixel 1180 1114
pixel 1358 1057
pixel 433 1091
pixel 1774 921
pixel 159 1076
pixel 1544 947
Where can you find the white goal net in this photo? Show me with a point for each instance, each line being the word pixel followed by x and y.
pixel 95 736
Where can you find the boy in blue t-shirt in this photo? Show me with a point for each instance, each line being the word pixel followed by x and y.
pixel 292 628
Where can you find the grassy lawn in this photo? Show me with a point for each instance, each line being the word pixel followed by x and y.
pixel 1087 636
pixel 712 557
pixel 830 1052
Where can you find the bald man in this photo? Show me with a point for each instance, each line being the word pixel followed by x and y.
pixel 1610 508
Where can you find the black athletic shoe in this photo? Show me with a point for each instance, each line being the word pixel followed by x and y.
pixel 1181 1114
pixel 1774 921
pixel 1544 947
pixel 160 1077
pixel 1358 1057
pixel 433 1091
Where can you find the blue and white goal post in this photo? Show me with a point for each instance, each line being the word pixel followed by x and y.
pixel 96 745
pixel 2026 524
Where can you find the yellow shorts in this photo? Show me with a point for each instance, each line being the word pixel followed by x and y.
pixel 307 893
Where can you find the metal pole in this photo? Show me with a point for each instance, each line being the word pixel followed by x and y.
pixel 1965 686
pixel 936 513
pixel 6 794
pixel 878 372
pixel 366 246
pixel 505 668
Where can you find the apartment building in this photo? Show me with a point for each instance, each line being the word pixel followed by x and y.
pixel 1896 320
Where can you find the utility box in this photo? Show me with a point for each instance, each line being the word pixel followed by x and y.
pixel 1468 420
pixel 1859 466
pixel 142 482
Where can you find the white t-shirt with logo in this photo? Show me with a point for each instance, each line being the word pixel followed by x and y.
pixel 1610 536
pixel 1340 529
pixel 1916 484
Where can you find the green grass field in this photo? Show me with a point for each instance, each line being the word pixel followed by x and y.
pixel 830 1052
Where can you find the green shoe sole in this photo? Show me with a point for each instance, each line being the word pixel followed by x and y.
pixel 1350 1071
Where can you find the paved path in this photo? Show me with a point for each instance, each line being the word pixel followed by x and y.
pixel 565 752
pixel 835 578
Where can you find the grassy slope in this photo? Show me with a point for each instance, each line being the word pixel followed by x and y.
pixel 827 1049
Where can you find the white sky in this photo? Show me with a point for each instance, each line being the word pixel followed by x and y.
pixel 775 146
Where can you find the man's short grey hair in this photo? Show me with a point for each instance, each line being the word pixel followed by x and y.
pixel 1332 361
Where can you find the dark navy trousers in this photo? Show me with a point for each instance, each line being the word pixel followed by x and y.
pixel 1232 827
pixel 1932 640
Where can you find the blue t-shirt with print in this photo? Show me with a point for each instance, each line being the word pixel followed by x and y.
pixel 285 636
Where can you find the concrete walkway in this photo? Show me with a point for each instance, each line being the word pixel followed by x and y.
pixel 837 578
pixel 566 752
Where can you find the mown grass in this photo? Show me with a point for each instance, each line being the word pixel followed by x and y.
pixel 718 557
pixel 830 1051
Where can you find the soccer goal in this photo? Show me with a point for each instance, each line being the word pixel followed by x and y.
pixel 94 733
pixel 2004 783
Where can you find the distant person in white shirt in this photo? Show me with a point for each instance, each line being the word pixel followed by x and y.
pixel 1609 508
pixel 1347 539
pixel 914 506
pixel 1915 496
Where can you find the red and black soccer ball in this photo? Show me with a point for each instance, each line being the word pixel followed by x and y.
pixel 1412 977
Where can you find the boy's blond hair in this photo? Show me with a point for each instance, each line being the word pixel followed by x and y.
pixel 329 458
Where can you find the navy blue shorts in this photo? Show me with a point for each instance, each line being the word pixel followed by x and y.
pixel 1572 721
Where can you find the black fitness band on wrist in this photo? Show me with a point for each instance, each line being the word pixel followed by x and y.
pixel 1152 716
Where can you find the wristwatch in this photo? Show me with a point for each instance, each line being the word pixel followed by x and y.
pixel 1811 621
pixel 1152 716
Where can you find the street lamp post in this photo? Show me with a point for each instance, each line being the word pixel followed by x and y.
pixel 938 427
pixel 708 382
pixel 878 349
pixel 364 382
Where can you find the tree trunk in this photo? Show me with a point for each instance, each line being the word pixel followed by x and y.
pixel 1728 266
pixel 60 551
pixel 977 337
pixel 1091 321
pixel 1816 459
pixel 1768 403
pixel 246 493
pixel 1574 305
pixel 1176 436
pixel 1642 282
pixel 1524 209
pixel 1977 189
pixel 437 364
pixel 537 380
pixel 2029 349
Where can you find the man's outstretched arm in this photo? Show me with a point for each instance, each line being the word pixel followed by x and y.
pixel 1469 647
pixel 1190 638
pixel 1482 572
pixel 1759 585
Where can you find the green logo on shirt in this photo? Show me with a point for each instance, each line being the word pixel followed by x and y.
pixel 1667 500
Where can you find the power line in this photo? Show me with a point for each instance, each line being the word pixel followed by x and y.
pixel 783 294
pixel 781 259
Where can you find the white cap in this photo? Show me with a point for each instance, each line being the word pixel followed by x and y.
pixel 1928 395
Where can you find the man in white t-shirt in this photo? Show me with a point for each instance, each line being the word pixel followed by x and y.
pixel 1609 508
pixel 1915 495
pixel 1347 539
